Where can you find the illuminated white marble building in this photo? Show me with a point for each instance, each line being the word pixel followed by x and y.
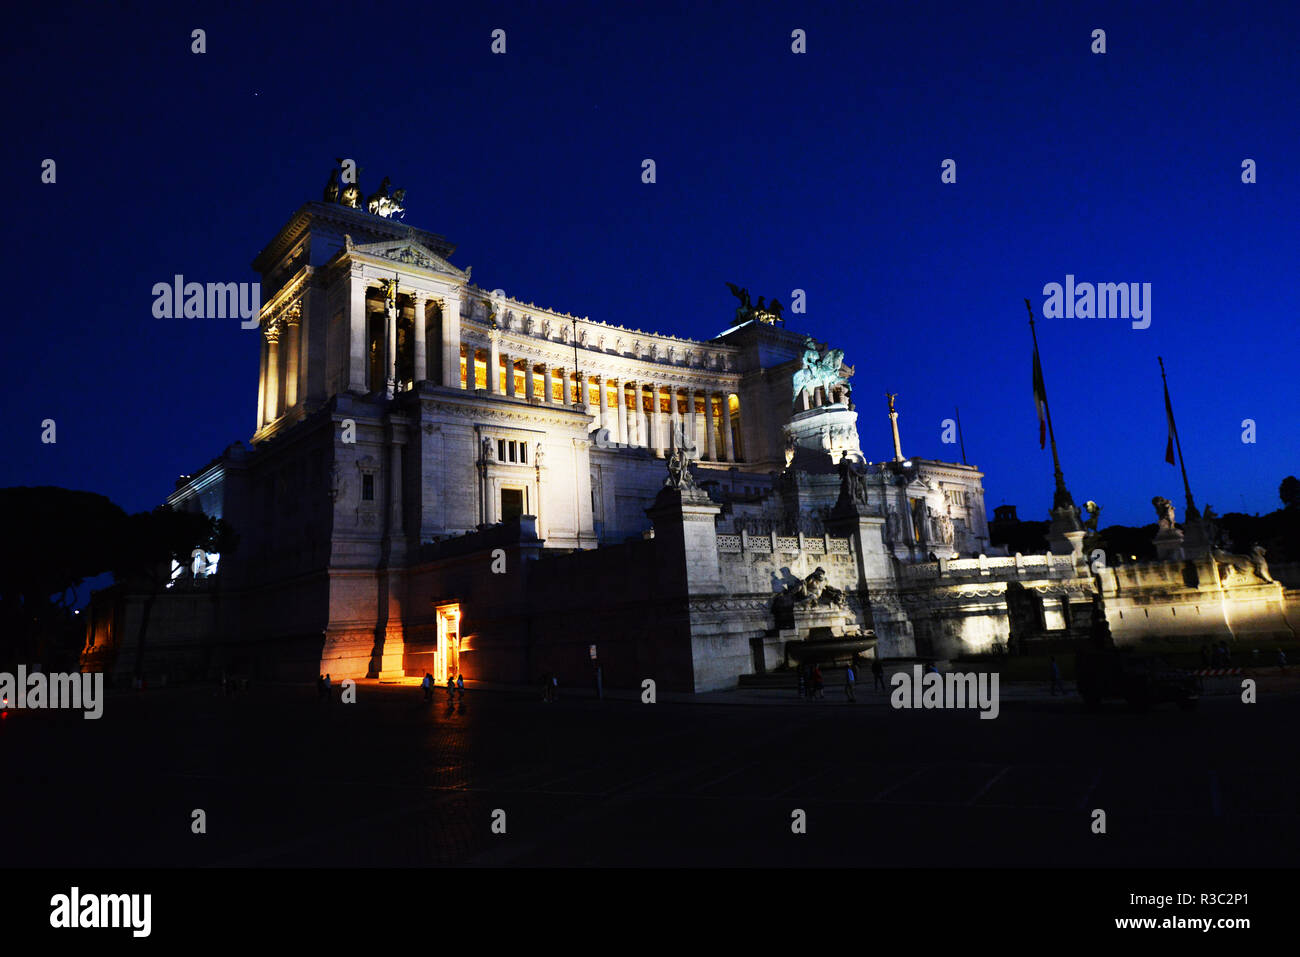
pixel 412 428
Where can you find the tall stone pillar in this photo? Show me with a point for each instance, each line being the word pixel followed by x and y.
pixel 689 423
pixel 451 347
pixel 656 420
pixel 395 490
pixel 712 437
pixel 272 372
pixel 674 417
pixel 634 422
pixel 293 345
pixel 548 385
pixel 565 398
pixel 261 378
pixel 893 425
pixel 421 371
pixel 494 366
pixel 686 542
pixel 390 349
pixel 357 319
pixel 529 388
pixel 622 413
pixel 725 414
pixel 510 375
pixel 603 398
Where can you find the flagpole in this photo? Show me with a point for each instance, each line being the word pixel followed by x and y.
pixel 1062 495
pixel 1187 489
pixel 960 438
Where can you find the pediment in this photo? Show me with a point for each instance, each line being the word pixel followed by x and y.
pixel 408 252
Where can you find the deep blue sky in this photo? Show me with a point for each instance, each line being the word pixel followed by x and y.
pixel 775 171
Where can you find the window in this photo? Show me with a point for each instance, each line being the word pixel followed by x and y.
pixel 367 488
pixel 523 452
pixel 501 450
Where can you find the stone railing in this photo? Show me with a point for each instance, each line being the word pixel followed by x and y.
pixel 782 544
pixel 1018 566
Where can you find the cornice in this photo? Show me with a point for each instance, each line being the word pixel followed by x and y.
pixel 346 219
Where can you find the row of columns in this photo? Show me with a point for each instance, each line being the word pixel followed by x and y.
pixel 633 426
pixel 444 368
pixel 280 365
pixel 646 430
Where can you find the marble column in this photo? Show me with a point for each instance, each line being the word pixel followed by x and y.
pixel 634 413
pixel 529 389
pixel 272 372
pixel 692 422
pixel 510 375
pixel 564 386
pixel 674 416
pixel 724 407
pixel 358 319
pixel 603 398
pixel 451 347
pixel 390 349
pixel 548 385
pixel 421 371
pixel 494 366
pixel 656 424
pixel 261 379
pixel 712 436
pixel 622 413
pixel 293 346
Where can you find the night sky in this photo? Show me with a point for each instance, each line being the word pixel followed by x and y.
pixel 775 171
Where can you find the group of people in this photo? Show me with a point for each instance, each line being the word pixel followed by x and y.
pixel 455 686
pixel 812 683
pixel 323 686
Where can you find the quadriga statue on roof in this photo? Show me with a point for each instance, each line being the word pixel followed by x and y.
pixel 380 203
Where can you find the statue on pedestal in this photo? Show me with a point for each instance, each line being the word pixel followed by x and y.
pixel 679 473
pixel 1164 513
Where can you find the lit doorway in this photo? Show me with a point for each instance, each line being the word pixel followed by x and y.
pixel 446 661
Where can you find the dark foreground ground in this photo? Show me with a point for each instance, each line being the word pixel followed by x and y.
pixel 288 779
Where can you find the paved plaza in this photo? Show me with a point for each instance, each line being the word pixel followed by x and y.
pixel 286 778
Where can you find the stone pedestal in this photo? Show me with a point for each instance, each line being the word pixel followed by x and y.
pixel 686 539
pixel 1169 544
pixel 1196 538
pixel 391 655
pixel 832 429
pixel 1065 534
pixel 866 534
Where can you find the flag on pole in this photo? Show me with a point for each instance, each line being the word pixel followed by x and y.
pixel 1169 417
pixel 1040 400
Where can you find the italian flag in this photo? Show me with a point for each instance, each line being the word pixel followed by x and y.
pixel 1169 416
pixel 1040 400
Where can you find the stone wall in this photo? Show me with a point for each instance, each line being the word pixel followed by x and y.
pixel 1194 599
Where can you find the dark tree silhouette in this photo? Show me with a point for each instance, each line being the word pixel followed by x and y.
pixel 55 538
pixel 1289 492
pixel 152 542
